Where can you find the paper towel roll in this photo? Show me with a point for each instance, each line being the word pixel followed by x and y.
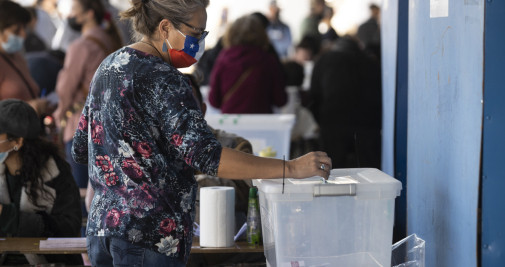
pixel 217 216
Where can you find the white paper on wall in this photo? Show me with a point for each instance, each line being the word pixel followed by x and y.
pixel 439 8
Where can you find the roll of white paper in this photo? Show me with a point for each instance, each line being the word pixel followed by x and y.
pixel 217 216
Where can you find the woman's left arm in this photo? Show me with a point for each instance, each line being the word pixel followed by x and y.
pixel 80 142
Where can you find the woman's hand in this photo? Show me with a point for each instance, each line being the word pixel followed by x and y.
pixel 311 164
pixel 238 165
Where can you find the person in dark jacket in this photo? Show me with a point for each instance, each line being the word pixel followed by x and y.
pixel 347 104
pixel 38 195
pixel 369 32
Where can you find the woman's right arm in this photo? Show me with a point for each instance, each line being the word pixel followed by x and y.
pixel 238 165
pixel 187 131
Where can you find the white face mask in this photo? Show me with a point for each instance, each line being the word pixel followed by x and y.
pixel 4 155
pixel 14 44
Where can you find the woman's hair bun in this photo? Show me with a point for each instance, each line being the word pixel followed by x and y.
pixel 136 2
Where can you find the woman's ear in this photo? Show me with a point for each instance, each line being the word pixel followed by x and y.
pixel 18 143
pixel 164 28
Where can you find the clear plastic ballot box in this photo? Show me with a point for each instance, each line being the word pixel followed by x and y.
pixel 346 221
pixel 262 130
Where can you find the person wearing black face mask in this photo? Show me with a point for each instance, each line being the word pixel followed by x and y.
pixel 99 38
pixel 74 25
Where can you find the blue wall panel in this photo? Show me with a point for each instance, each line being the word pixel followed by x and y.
pixel 444 129
pixel 401 119
pixel 389 35
pixel 493 143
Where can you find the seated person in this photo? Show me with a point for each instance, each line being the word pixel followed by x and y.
pixel 38 195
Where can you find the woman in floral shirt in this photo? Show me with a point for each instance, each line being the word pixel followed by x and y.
pixel 142 135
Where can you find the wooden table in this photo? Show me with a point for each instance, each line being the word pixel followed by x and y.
pixel 238 247
pixel 31 246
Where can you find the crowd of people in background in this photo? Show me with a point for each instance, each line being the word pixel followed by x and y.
pixel 332 83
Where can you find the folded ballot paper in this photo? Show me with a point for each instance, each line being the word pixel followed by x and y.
pixel 63 242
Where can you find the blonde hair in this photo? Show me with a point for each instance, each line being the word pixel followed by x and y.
pixel 147 14
pixel 246 30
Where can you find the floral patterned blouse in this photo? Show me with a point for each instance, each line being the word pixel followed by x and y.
pixel 142 136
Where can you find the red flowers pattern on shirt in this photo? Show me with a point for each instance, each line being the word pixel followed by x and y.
pixel 106 166
pixel 113 218
pixel 167 226
pixel 177 140
pixel 142 146
pixel 83 123
pixel 96 132
pixel 131 168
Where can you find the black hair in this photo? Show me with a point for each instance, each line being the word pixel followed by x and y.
pixel 311 43
pixel 294 73
pixel 34 154
pixel 348 43
pixel 12 13
pixel 33 12
pixel 264 20
pixel 374 6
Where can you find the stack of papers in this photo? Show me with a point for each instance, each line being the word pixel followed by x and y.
pixel 64 242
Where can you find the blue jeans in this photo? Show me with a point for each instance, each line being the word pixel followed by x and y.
pixel 111 251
